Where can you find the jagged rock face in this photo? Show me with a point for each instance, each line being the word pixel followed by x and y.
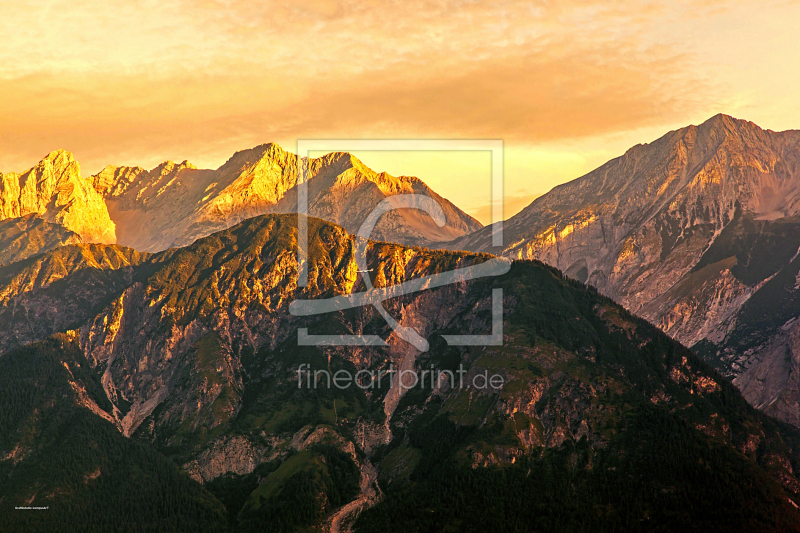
pixel 344 191
pixel 758 345
pixel 770 379
pixel 174 205
pixel 55 190
pixel 26 236
pixel 642 227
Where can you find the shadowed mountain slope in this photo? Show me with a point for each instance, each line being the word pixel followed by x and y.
pixel 601 421
pixel 30 235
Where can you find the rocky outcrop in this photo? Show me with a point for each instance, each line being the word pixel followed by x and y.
pixel 227 455
pixel 55 191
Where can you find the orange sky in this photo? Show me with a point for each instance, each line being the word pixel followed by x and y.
pixel 566 84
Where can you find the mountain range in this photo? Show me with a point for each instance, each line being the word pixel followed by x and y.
pixel 175 204
pixel 187 360
pixel 696 232
pixel 149 361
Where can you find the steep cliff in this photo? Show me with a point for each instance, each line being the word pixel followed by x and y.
pixel 60 289
pixel 55 190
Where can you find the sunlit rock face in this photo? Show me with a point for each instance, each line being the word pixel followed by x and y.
pixel 55 191
pixel 175 204
pixel 683 231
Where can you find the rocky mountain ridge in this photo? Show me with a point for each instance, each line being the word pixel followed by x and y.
pixel 649 229
pixel 174 204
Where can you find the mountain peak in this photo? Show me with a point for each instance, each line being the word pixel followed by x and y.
pixel 113 181
pixel 682 231
pixel 55 190
pixel 243 161
pixel 59 155
pixel 749 131
pixel 61 152
pixel 722 118
pixel 59 163
pixel 169 166
pixel 729 123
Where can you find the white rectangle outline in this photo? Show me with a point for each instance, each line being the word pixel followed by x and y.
pixel 304 146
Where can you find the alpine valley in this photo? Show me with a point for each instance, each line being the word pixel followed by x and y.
pixel 149 359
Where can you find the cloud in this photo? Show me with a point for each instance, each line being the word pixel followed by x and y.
pixel 138 82
pixel 538 97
